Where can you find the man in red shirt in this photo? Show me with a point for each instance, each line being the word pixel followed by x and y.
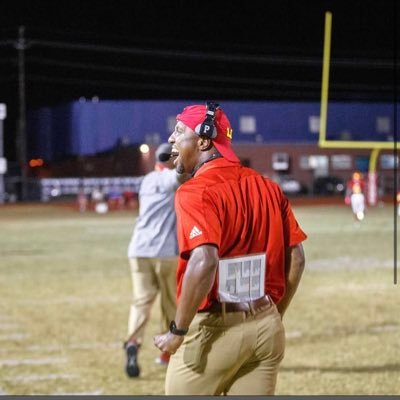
pixel 241 260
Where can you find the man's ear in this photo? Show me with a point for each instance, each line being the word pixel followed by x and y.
pixel 205 143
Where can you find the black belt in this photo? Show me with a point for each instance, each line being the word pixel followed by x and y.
pixel 252 306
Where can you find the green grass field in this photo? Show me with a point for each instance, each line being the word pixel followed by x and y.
pixel 65 293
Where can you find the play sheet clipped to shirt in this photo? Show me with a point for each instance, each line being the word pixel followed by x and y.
pixel 241 279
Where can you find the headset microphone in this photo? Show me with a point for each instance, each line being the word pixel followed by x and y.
pixel 163 152
pixel 163 157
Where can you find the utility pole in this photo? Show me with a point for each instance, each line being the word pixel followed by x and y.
pixel 21 124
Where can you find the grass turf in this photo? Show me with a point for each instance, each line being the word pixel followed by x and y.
pixel 65 293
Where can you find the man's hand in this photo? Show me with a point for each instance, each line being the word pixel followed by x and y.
pixel 168 342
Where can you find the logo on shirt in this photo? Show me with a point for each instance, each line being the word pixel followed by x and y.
pixel 195 232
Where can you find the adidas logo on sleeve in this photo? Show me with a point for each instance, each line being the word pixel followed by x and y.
pixel 195 232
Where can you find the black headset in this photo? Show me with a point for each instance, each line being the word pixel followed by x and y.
pixel 207 127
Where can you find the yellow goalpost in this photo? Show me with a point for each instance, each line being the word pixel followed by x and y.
pixel 375 146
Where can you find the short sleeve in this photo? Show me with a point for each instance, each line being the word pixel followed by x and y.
pixel 293 234
pixel 197 219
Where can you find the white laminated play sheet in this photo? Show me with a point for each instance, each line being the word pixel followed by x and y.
pixel 241 278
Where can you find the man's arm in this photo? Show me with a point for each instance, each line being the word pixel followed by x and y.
pixel 294 266
pixel 197 282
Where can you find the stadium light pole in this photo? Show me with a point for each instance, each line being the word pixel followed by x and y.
pixel 3 161
pixel 20 45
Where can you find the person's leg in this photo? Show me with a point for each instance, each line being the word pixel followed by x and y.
pixel 363 204
pixel 144 291
pixel 257 376
pixel 358 204
pixel 166 276
pixel 144 288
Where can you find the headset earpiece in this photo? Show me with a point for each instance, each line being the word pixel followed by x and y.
pixel 207 127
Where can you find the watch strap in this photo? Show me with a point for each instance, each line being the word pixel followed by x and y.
pixel 174 330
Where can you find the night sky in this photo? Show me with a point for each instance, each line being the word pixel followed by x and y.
pixel 148 49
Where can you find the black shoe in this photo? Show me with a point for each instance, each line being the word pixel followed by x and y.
pixel 132 367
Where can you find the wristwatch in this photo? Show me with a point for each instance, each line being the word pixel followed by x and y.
pixel 174 330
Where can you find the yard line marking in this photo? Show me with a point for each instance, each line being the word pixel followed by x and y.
pixel 73 300
pixel 14 336
pixel 348 228
pixel 6 327
pixel 349 262
pixel 294 334
pixel 5 318
pixel 74 346
pixel 354 287
pixel 36 378
pixel 384 328
pixel 38 347
pixel 94 393
pixel 90 346
pixel 32 361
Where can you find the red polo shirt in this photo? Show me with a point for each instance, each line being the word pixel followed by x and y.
pixel 240 212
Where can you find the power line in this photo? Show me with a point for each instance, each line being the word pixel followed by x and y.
pixel 174 75
pixel 258 86
pixel 167 88
pixel 127 87
pixel 212 56
pixel 7 43
pixel 206 77
pixel 8 78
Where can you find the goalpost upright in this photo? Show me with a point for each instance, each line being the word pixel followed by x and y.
pixel 323 142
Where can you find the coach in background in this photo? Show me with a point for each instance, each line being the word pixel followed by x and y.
pixel 152 255
pixel 241 260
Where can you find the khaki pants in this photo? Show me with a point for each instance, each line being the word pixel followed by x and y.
pixel 237 355
pixel 151 276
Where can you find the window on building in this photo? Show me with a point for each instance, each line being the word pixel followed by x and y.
pixel 280 161
pixel 247 124
pixel 313 123
pixel 318 163
pixel 383 124
pixel 304 163
pixel 387 161
pixel 341 161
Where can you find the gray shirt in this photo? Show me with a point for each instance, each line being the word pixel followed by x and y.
pixel 154 234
